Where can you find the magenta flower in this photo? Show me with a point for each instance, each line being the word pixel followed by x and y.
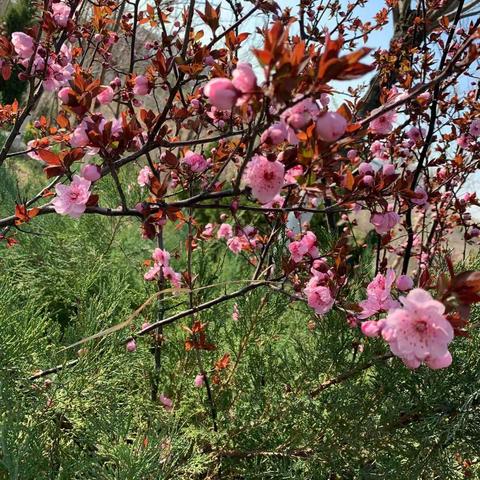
pixel 265 178
pixel 23 44
pixel 384 222
pixel 72 199
pixel 330 126
pixel 418 332
pixel 378 295
pixel 162 257
pixel 61 13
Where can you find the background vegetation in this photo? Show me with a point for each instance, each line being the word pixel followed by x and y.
pixel 278 417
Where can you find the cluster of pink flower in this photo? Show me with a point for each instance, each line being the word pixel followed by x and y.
pixel 161 267
pixel 418 332
pixel 55 69
pixel 244 239
pixel 307 245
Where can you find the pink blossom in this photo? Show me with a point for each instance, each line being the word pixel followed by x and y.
pixel 72 199
pixel 208 230
pixel 293 173
pixel 199 380
pixel 415 134
pixel 320 299
pixel 174 277
pixel 61 13
pixel 301 114
pixel 235 244
pixel 225 231
pixel 142 86
pixel 474 129
pixel 166 402
pixel 79 136
pixel 144 176
pixel 23 44
pixel 384 222
pixel 244 80
pixel 91 172
pixel 421 198
pixel 195 162
pixel 307 245
pixel 105 96
pixel 63 94
pixel 131 345
pixel 365 168
pixel 153 273
pixel 404 282
pixel 383 125
pixel 418 332
pixel 222 93
pixel 161 257
pixel 265 178
pixel 275 134
pixel 378 295
pixel 330 126
pixel 379 150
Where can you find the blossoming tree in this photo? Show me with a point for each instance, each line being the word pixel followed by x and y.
pixel 285 138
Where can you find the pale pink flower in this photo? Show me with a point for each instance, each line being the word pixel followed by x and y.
pixel 244 80
pixel 153 273
pixel 195 162
pixel 320 299
pixel 379 150
pixel 23 44
pixel 474 129
pixel 142 86
pixel 301 114
pixel 265 178
pixel 415 134
pixel 293 173
pixel 174 277
pixel 63 94
pixel 131 345
pixel 383 125
pixel 378 295
pixel 418 332
pixel 208 230
pixel 384 222
pixel 225 231
pixel 91 172
pixel 275 134
pixel 404 282
pixel 79 136
pixel 222 93
pixel 105 96
pixel 235 244
pixel 330 126
pixel 61 13
pixel 199 381
pixel 144 176
pixel 72 199
pixel 300 248
pixel 162 257
pixel 422 196
pixel 166 402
